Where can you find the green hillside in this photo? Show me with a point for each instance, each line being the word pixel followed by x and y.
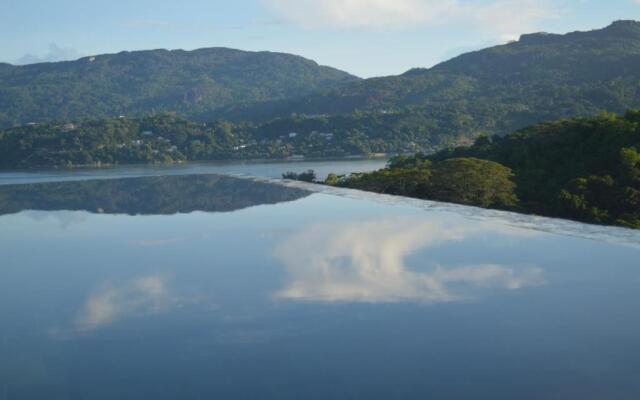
pixel 492 91
pixel 145 82
pixel 587 169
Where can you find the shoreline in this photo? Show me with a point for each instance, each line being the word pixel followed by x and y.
pixel 248 161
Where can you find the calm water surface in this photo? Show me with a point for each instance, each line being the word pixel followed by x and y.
pixel 273 169
pixel 203 287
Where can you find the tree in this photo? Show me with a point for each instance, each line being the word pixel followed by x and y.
pixel 308 176
pixel 473 181
pixel 332 179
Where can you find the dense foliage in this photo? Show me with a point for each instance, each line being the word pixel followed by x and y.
pixel 167 138
pixel 468 181
pixel 586 169
pixel 141 83
pixel 493 91
pixel 307 176
pixel 497 90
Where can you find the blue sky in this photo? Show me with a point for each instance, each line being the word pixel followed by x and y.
pixel 364 37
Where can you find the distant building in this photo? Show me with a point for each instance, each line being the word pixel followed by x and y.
pixel 327 136
pixel 293 135
pixel 68 127
pixel 147 133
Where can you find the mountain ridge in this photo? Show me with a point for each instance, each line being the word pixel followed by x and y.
pixel 496 90
pixel 150 81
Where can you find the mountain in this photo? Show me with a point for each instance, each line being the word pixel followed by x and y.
pixel 281 105
pixel 157 195
pixel 143 82
pixel 492 91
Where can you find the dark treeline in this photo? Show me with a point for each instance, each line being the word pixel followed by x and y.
pixel 170 138
pixel 164 138
pixel 586 169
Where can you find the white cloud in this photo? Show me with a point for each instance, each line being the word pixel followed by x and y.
pixel 159 242
pixel 504 18
pixel 509 19
pixel 365 262
pixel 55 53
pixel 63 219
pixel 110 303
pixel 357 13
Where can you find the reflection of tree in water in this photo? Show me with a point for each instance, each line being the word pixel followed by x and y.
pixel 148 195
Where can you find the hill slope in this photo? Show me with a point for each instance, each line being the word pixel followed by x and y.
pixel 141 82
pixel 587 169
pixel 496 90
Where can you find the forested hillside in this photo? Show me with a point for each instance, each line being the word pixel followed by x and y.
pixel 492 91
pixel 266 97
pixel 167 138
pixel 141 83
pixel 586 169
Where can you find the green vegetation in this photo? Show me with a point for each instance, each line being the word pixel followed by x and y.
pixel 164 138
pixel 587 169
pixel 307 176
pixel 191 83
pixel 497 90
pixel 468 181
pixel 282 106
pixel 493 91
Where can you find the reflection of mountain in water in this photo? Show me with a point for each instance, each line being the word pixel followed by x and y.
pixel 148 195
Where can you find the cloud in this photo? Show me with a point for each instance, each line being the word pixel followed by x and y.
pixel 357 13
pixel 159 242
pixel 141 296
pixel 504 18
pixel 55 53
pixel 509 19
pixel 64 219
pixel 365 262
pixel 149 24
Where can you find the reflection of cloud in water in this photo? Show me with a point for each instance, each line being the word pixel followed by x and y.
pixel 145 295
pixel 158 242
pixel 365 262
pixel 64 219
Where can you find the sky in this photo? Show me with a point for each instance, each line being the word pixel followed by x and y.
pixel 364 37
